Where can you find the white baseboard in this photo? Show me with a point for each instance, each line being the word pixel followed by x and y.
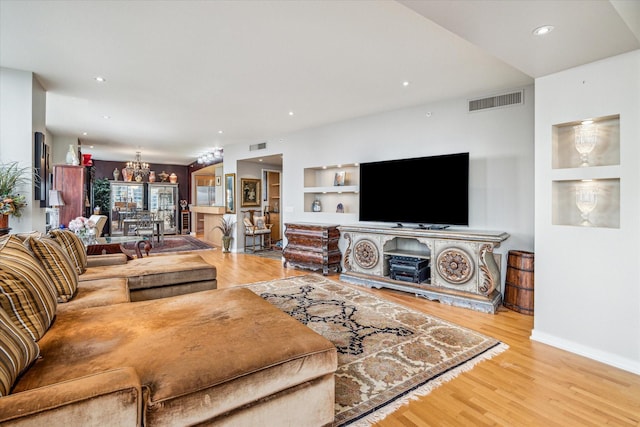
pixel 626 364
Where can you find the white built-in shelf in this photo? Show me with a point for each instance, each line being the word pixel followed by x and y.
pixel 332 185
pixel 588 181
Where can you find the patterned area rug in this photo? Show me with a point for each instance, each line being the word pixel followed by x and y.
pixel 178 243
pixel 387 353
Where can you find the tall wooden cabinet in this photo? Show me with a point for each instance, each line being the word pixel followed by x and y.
pixel 71 182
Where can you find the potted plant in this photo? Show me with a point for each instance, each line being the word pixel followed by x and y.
pixel 12 176
pixel 226 226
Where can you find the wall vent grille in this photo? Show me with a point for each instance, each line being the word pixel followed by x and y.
pixel 497 101
pixel 260 146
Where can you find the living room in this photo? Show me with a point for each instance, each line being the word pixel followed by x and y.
pixel 587 297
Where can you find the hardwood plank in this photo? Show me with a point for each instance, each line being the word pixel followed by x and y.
pixel 530 384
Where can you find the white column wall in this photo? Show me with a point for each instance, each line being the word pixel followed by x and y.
pixel 587 280
pixel 22 113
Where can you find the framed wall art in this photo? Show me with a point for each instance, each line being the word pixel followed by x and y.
pixel 250 190
pixel 230 192
pixel 40 166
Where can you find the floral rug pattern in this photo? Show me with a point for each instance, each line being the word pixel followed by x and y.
pixel 387 353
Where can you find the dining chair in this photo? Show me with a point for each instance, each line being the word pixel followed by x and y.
pixel 145 226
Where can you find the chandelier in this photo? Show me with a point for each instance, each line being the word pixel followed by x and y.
pixel 210 157
pixel 137 168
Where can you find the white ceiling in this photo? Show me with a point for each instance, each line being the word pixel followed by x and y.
pixel 179 71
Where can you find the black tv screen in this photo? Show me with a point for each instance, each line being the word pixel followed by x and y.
pixel 426 191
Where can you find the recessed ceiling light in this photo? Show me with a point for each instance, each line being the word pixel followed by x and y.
pixel 106 117
pixel 100 79
pixel 587 122
pixel 405 83
pixel 428 114
pixel 91 146
pixel 541 31
pixel 291 113
pixel 220 131
pixel 84 133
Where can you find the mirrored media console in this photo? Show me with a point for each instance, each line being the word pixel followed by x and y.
pixel 454 267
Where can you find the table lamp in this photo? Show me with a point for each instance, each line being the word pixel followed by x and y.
pixel 55 200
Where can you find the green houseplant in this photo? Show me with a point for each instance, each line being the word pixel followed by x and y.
pixel 226 226
pixel 12 176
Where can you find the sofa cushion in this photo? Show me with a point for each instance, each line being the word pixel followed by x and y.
pixel 57 263
pixel 74 248
pixel 26 292
pixel 198 355
pixel 17 352
pixel 97 293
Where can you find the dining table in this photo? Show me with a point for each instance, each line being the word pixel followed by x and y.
pixel 157 223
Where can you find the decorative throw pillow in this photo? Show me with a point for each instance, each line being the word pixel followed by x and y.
pixel 57 263
pixel 17 352
pixel 74 248
pixel 26 292
pixel 247 222
pixel 260 222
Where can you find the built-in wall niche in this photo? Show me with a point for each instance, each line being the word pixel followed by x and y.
pixel 332 189
pixel 588 142
pixel 587 203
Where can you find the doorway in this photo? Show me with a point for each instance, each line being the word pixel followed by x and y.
pixel 271 202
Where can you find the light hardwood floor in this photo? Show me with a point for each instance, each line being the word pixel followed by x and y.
pixel 530 384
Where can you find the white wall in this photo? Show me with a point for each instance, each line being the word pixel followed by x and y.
pixel 500 143
pixel 22 113
pixel 587 296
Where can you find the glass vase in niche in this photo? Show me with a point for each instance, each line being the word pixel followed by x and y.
pixel 586 201
pixel 316 206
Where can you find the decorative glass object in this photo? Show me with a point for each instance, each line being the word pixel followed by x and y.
pixel 586 138
pixel 72 157
pixel 316 206
pixel 586 201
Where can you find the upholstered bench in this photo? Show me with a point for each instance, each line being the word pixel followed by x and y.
pixel 152 277
pixel 159 276
pixel 220 357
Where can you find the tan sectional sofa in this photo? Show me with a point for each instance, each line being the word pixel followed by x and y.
pixel 214 357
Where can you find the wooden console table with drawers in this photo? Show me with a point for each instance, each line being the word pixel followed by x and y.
pixel 312 246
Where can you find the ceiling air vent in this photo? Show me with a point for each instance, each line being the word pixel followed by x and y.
pixel 497 101
pixel 260 146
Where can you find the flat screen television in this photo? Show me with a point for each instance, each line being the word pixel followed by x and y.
pixel 426 191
